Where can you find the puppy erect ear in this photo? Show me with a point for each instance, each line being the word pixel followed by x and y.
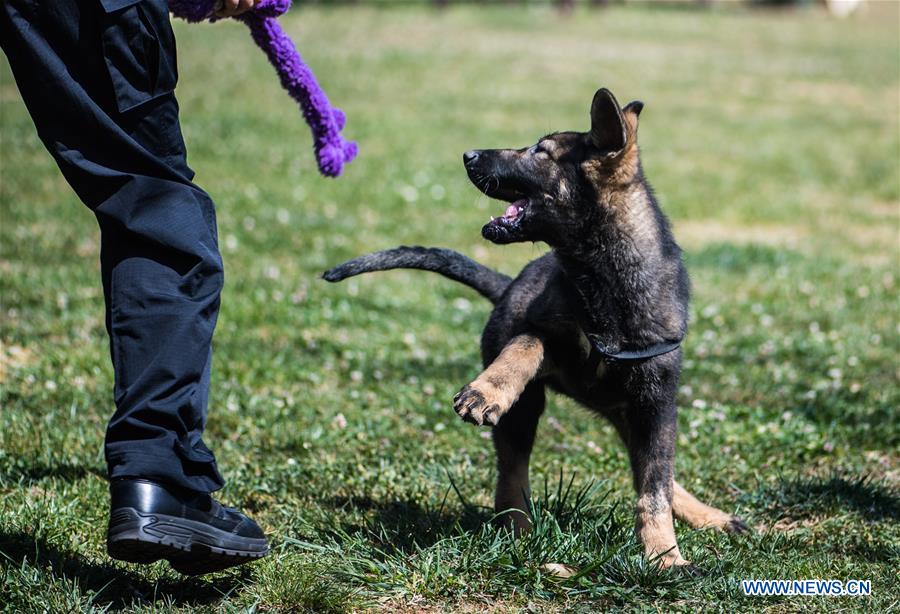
pixel 635 106
pixel 630 112
pixel 608 133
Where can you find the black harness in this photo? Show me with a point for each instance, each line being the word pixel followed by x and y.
pixel 601 352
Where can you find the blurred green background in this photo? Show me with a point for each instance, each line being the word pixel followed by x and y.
pixel 771 138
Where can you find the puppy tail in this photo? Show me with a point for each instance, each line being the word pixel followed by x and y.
pixel 485 281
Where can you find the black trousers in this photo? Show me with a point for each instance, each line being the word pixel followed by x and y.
pixel 99 85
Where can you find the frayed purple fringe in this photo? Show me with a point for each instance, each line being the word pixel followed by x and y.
pixel 325 121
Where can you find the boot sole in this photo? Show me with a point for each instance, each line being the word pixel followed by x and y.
pixel 191 547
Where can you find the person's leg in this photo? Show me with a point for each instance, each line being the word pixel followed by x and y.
pixel 99 87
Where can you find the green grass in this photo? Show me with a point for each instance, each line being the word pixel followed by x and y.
pixel 772 141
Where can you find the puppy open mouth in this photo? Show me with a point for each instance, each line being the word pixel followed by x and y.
pixel 504 229
pixel 489 171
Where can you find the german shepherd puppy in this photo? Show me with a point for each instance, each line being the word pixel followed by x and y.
pixel 599 318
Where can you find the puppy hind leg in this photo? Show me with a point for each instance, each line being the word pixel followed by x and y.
pixel 700 516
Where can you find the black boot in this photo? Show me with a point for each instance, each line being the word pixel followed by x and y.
pixel 197 535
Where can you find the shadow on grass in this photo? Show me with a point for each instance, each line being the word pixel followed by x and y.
pixel 808 496
pixel 114 586
pixel 405 526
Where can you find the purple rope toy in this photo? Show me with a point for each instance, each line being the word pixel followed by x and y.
pixel 325 121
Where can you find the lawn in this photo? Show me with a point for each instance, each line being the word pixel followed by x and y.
pixel 772 141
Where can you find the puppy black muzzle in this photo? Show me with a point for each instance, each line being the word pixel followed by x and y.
pixel 495 172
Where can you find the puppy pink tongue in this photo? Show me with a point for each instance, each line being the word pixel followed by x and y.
pixel 513 209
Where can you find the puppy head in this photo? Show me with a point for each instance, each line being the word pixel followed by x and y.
pixel 552 188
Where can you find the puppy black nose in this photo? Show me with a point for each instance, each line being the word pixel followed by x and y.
pixel 470 156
